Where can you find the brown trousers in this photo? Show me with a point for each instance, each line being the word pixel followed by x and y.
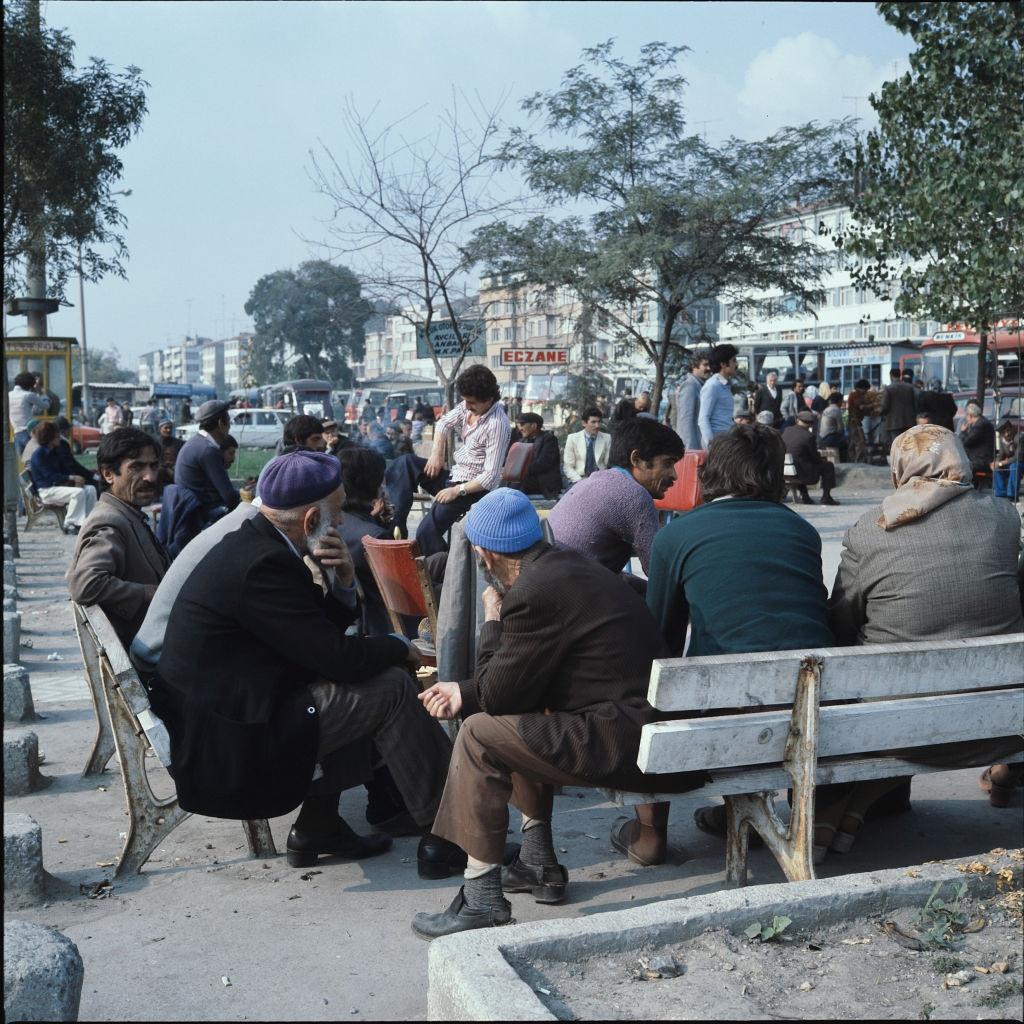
pixel 492 767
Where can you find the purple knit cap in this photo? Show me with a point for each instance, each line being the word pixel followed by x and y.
pixel 299 478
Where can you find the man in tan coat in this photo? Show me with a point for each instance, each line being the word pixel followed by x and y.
pixel 118 562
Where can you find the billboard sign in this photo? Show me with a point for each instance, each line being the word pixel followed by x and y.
pixel 445 342
pixel 534 356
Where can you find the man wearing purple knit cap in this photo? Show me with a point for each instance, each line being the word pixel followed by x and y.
pixel 558 698
pixel 268 703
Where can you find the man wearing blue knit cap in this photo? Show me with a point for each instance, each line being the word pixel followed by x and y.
pixel 558 698
pixel 263 693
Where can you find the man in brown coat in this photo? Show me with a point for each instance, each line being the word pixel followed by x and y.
pixel 558 698
pixel 118 562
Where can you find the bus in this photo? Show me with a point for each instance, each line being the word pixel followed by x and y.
pixel 99 392
pixel 308 397
pixel 392 393
pixel 951 356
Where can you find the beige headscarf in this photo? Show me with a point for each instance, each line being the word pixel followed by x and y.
pixel 929 468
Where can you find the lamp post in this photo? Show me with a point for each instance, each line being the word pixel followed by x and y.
pixel 81 318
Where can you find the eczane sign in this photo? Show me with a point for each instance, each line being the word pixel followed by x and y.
pixel 534 356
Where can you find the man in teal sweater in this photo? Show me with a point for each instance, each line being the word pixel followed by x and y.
pixel 741 539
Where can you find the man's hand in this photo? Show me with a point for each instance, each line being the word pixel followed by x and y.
pixel 447 495
pixel 434 466
pixel 333 553
pixel 492 605
pixel 442 700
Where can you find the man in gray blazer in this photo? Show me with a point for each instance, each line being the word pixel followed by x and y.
pixel 688 402
pixel 118 562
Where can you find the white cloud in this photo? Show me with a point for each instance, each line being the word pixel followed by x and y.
pixel 808 77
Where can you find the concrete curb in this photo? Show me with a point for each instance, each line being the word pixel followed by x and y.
pixel 471 978
pixel 21 763
pixel 12 637
pixel 24 881
pixel 9 578
pixel 43 973
pixel 18 706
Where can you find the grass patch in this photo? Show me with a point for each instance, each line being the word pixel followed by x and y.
pixel 948 964
pixel 1001 991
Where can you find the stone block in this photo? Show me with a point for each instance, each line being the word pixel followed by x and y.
pixel 18 706
pixel 43 973
pixel 8 553
pixel 12 637
pixel 9 580
pixel 10 605
pixel 21 762
pixel 23 861
pixel 11 591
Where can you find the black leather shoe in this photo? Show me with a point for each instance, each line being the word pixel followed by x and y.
pixel 305 847
pixel 548 884
pixel 398 826
pixel 459 918
pixel 438 858
pixel 829 501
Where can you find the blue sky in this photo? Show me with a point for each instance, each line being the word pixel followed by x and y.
pixel 240 92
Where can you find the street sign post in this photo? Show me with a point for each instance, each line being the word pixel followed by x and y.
pixel 445 342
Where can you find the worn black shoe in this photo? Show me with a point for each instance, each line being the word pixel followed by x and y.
pixel 459 918
pixel 438 858
pixel 305 847
pixel 548 884
pixel 829 501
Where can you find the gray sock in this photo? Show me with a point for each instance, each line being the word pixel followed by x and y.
pixel 484 891
pixel 537 848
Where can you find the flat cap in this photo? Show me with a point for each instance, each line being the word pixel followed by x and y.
pixel 299 478
pixel 807 417
pixel 208 410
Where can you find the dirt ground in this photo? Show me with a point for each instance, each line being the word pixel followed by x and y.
pixel 856 970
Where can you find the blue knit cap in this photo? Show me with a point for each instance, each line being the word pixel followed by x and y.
pixel 299 478
pixel 503 521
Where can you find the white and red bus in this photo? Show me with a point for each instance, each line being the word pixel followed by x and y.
pixel 951 356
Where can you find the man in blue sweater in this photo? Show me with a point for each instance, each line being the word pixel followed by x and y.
pixel 716 403
pixel 200 465
pixel 59 479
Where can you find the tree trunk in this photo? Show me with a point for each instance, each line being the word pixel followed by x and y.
pixel 982 360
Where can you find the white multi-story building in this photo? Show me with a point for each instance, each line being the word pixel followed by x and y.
pixel 854 335
pixel 198 361
pixel 151 368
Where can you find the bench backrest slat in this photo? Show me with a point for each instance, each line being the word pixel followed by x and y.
pixel 117 657
pixel 876 670
pixel 759 738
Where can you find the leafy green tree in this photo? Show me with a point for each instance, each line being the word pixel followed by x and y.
pixel 940 206
pixel 104 367
pixel 62 127
pixel 308 323
pixel 669 220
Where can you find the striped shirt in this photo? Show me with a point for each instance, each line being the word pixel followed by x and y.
pixel 481 456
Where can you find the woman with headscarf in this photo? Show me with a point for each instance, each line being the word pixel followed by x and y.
pixel 914 569
pixel 813 399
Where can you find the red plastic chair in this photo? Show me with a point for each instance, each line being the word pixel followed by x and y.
pixel 684 494
pixel 517 464
pixel 404 584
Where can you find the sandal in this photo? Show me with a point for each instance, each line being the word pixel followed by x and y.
pixel 714 821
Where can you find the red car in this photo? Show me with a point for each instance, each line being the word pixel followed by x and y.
pixel 83 437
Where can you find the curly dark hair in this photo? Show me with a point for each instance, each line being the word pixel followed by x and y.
pixel 478 382
pixel 590 413
pixel 745 462
pixel 647 437
pixel 120 444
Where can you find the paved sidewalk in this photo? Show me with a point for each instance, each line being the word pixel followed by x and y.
pixel 334 942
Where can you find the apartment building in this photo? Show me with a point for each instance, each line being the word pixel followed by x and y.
pixel 854 335
pixel 197 360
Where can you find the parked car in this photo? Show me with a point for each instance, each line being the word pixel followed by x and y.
pixel 83 437
pixel 251 428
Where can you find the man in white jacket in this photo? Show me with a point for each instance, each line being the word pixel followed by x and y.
pixel 587 449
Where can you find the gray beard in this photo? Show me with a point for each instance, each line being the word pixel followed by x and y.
pixel 491 579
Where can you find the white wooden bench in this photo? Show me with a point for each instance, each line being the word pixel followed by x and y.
pixel 126 724
pixel 765 722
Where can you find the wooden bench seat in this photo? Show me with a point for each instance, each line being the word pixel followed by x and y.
pixel 758 723
pixel 35 507
pixel 126 724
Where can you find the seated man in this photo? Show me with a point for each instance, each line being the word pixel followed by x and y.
pixel 170 446
pixel 305 432
pixel 545 475
pixel 1006 470
pixel 554 701
pixel 979 439
pixel 118 562
pixel 59 479
pixel 334 439
pixel 744 418
pixel 586 450
pixel 200 465
pixel 480 423
pixel 742 531
pixel 610 516
pixel 811 465
pixel 258 683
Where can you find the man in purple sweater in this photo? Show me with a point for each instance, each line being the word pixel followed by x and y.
pixel 610 516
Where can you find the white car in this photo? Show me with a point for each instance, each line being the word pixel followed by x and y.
pixel 251 428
